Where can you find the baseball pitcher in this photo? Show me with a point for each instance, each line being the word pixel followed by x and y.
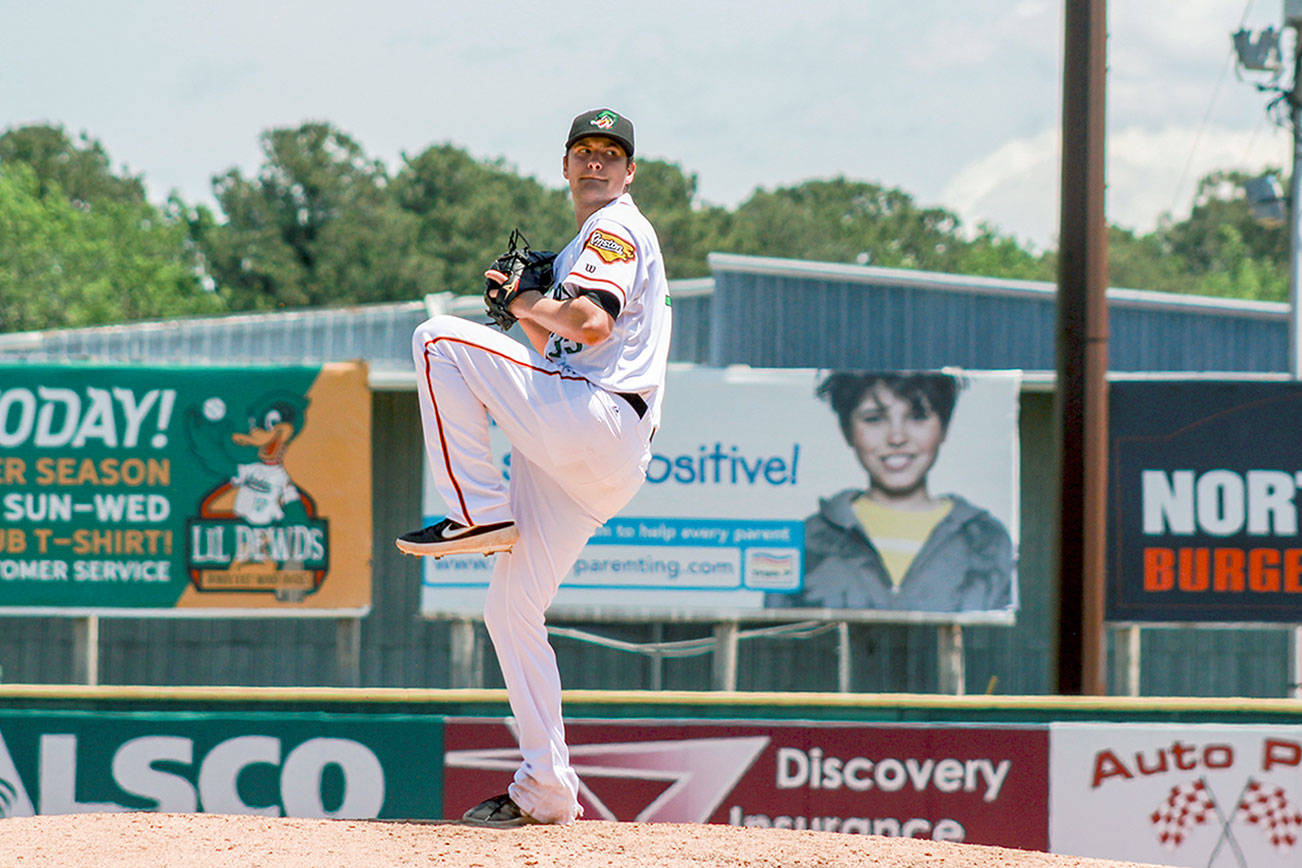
pixel 579 408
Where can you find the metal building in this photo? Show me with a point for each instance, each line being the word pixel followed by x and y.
pixel 786 313
pixel 754 311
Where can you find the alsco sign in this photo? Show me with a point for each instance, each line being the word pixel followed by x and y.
pixel 274 765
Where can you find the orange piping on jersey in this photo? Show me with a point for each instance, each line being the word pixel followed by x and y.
pixel 429 384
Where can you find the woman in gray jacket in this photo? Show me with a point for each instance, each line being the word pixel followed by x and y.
pixel 895 545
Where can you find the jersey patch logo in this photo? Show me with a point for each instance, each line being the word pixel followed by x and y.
pixel 611 248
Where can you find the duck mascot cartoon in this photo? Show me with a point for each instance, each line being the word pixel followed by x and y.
pixel 258 489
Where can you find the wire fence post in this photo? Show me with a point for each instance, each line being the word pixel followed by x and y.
pixel 85 650
pixel 1127 648
pixel 1295 662
pixel 348 651
pixel 725 656
pixel 464 656
pixel 843 657
pixel 952 675
pixel 656 657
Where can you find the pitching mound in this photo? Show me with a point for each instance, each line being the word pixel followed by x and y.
pixel 110 840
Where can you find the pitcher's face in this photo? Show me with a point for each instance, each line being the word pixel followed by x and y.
pixel 598 170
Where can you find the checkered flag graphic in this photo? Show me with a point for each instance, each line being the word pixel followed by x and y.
pixel 1187 805
pixel 1268 809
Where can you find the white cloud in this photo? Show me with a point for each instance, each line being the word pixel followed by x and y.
pixel 1154 172
pixel 1149 172
pixel 1015 188
pixel 957 104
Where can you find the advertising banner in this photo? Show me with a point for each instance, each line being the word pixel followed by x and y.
pixel 275 765
pixel 760 490
pixel 983 785
pixel 1203 514
pixel 184 491
pixel 1191 795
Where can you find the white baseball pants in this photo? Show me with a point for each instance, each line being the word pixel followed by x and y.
pixel 578 455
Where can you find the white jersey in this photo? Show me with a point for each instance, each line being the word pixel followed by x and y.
pixel 616 255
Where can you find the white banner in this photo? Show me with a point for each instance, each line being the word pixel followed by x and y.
pixel 741 465
pixel 1190 795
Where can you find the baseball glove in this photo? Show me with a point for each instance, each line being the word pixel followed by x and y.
pixel 517 270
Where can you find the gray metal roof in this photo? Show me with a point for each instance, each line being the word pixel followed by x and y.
pixel 755 310
pixel 785 313
pixel 378 333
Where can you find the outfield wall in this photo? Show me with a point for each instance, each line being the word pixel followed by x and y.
pixel 1175 781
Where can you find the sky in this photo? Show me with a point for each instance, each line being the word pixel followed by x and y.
pixel 957 104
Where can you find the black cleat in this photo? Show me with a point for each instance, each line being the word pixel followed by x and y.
pixel 499 812
pixel 450 538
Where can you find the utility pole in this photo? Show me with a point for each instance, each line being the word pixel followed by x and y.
pixel 1293 18
pixel 1082 349
pixel 1260 52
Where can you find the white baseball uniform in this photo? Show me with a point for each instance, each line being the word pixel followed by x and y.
pixel 579 454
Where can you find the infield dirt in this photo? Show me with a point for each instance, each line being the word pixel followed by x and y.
pixel 195 840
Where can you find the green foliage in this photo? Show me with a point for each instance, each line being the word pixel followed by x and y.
pixel 466 208
pixel 316 226
pixel 687 230
pixel 81 171
pixel 1220 249
pixel 840 220
pixel 322 223
pixel 104 255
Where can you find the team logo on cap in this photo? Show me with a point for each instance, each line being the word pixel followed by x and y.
pixel 611 248
pixel 605 120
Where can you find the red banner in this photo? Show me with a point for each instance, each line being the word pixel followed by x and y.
pixel 982 785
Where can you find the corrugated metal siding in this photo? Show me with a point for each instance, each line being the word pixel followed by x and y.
pixel 690 340
pixel 380 333
pixel 1143 339
pixel 1180 662
pixel 770 313
pixel 775 319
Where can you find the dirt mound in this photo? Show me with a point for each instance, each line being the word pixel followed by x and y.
pixel 134 839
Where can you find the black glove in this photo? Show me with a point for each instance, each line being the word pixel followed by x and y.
pixel 517 270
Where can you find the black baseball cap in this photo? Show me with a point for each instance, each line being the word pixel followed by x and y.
pixel 603 122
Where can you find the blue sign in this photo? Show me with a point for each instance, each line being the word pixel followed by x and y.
pixel 1203 510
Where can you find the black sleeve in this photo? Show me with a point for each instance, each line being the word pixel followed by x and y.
pixel 608 300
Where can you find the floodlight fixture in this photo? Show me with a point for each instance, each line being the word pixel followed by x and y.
pixel 1258 50
pixel 1266 200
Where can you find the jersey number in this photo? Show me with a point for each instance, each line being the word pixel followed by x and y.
pixel 562 347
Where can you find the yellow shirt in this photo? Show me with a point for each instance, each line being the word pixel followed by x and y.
pixel 898 534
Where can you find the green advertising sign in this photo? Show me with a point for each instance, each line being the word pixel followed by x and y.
pixel 290 765
pixel 127 488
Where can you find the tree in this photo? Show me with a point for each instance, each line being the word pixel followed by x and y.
pixel 466 208
pixel 81 171
pixel 63 264
pixel 316 226
pixel 839 220
pixel 686 229
pixel 1219 249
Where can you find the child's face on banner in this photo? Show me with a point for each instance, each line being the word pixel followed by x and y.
pixel 896 440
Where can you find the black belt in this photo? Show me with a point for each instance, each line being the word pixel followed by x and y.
pixel 635 401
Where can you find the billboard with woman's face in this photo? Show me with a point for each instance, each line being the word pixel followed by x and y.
pixel 846 495
pixel 895 537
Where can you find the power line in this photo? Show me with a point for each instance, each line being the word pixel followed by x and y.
pixel 1184 173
